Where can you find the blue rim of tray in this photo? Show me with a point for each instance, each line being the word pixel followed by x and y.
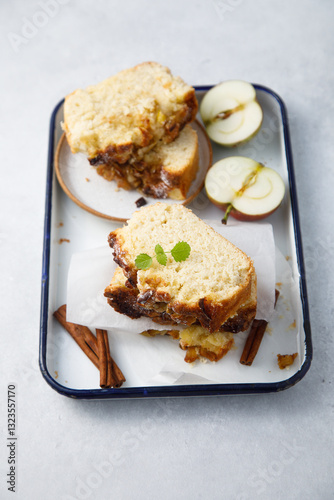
pixel 177 390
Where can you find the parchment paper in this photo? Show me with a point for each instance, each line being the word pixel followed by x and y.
pixel 159 360
pixel 91 271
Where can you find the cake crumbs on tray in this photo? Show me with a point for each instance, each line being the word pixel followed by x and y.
pixel 140 202
pixel 56 374
pixel 286 360
pixel 60 224
pixel 203 360
pixel 286 305
pixel 63 240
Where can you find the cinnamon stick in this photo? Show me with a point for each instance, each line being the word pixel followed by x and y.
pixel 110 379
pixel 96 348
pixel 117 374
pixel 102 357
pixel 115 377
pixel 254 339
pixel 81 334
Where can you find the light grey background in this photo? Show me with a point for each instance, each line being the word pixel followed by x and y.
pixel 255 447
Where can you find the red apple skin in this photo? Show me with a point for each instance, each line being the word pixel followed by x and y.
pixel 240 215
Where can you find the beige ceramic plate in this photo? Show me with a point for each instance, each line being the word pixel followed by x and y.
pixel 100 197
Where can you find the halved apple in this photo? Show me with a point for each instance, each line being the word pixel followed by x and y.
pixel 244 188
pixel 231 113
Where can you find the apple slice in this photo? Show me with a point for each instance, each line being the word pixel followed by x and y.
pixel 231 113
pixel 244 188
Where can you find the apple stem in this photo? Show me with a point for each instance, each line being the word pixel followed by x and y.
pixel 227 213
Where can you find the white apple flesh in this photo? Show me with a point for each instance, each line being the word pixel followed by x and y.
pixel 246 189
pixel 231 113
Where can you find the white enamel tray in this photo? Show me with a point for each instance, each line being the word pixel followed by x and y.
pixel 69 229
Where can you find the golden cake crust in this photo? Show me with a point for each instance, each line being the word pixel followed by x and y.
pixel 127 114
pixel 166 171
pixel 124 299
pixel 223 275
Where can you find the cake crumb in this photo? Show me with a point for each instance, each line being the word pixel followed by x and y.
pixel 286 360
pixel 140 202
pixel 63 240
pixel 87 179
pixel 56 374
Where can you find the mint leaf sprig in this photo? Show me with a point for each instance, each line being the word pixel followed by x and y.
pixel 179 252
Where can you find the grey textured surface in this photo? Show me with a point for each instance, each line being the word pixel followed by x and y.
pixel 259 447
